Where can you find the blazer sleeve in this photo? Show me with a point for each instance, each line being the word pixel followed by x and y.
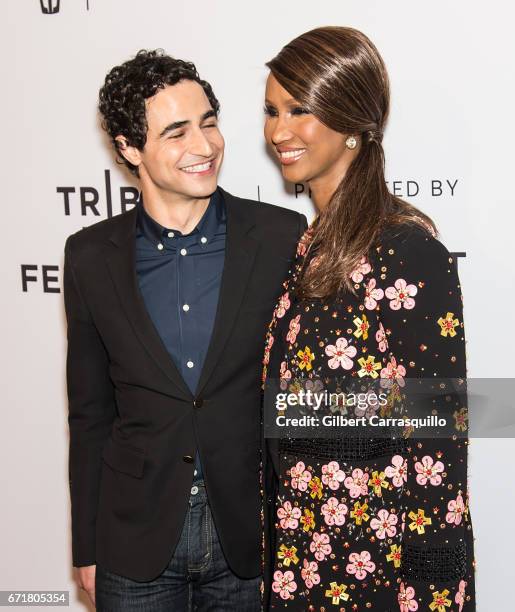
pixel 420 318
pixel 91 411
pixel 303 226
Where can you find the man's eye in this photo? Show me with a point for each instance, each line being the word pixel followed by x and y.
pixel 175 136
pixel 211 125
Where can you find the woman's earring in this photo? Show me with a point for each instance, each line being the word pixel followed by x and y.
pixel 351 142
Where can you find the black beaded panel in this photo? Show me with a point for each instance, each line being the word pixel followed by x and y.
pixel 343 449
pixel 437 564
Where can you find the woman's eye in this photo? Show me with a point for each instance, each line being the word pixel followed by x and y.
pixel 299 110
pixel 268 110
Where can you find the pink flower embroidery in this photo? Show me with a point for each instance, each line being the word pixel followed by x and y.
pixel 371 405
pixel 393 373
pixel 309 573
pixel 320 546
pixel 284 584
pixel 360 564
pixel 406 598
pixel 300 476
pixel 372 294
pixel 268 348
pixel 332 475
pixel 460 595
pixel 456 509
pixel 340 354
pixel 284 375
pixel 382 342
pixel 302 245
pixel 362 268
pixel 291 336
pixel 384 524
pixel 289 516
pixel 283 305
pixel 426 470
pixel 401 295
pixel 398 471
pixel 357 483
pixel 334 512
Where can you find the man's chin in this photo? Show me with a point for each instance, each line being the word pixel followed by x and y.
pixel 204 189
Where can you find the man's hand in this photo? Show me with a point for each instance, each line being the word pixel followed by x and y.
pixel 86 580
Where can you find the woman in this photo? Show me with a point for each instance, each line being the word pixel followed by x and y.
pixel 362 523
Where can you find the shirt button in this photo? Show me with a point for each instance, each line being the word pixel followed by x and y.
pixel 194 490
pixel 171 234
pixel 184 251
pixel 203 240
pixel 190 364
pixel 186 307
pixel 195 472
pixel 160 246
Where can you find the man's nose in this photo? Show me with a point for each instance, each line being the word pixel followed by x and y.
pixel 201 145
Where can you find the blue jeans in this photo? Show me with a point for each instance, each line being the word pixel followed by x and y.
pixel 196 579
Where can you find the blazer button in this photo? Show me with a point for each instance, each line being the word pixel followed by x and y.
pixel 197 402
pixel 187 459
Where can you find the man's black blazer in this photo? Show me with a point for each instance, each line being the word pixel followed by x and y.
pixel 134 425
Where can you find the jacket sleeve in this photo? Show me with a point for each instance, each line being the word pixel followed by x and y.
pixel 420 317
pixel 91 411
pixel 303 226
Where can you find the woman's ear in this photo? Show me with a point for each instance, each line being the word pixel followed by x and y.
pixel 130 153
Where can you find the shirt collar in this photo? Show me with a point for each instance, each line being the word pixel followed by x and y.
pixel 207 227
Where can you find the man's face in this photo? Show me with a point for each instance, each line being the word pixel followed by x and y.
pixel 184 148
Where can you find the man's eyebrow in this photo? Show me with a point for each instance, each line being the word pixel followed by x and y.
pixel 179 124
pixel 173 126
pixel 207 115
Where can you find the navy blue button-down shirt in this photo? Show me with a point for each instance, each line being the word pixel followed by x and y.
pixel 179 277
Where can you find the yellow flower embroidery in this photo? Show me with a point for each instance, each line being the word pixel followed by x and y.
pixel 306 357
pixel 440 601
pixel 378 482
pixel 362 327
pixel 337 593
pixel 288 555
pixel 419 520
pixel 359 514
pixel 461 417
pixel 308 520
pixel 316 487
pixel 447 325
pixel 369 367
pixel 395 555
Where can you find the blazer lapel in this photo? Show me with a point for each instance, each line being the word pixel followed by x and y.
pixel 240 252
pixel 122 266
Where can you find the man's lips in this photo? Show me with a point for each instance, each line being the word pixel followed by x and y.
pixel 200 168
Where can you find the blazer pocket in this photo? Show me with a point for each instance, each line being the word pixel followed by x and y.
pixel 124 458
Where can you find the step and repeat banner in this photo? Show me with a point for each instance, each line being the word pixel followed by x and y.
pixel 449 150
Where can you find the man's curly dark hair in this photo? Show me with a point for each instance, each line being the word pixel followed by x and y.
pixel 126 87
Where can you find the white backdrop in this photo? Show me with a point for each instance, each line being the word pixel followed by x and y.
pixel 451 69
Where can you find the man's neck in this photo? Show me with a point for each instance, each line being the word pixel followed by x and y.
pixel 175 212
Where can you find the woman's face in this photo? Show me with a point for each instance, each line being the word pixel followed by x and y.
pixel 308 150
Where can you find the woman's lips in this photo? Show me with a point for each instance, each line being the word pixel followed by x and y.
pixel 290 156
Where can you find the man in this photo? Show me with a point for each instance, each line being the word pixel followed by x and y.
pixel 167 307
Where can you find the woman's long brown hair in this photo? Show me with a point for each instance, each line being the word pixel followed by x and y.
pixel 339 76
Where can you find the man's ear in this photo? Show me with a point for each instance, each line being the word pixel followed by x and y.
pixel 131 154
